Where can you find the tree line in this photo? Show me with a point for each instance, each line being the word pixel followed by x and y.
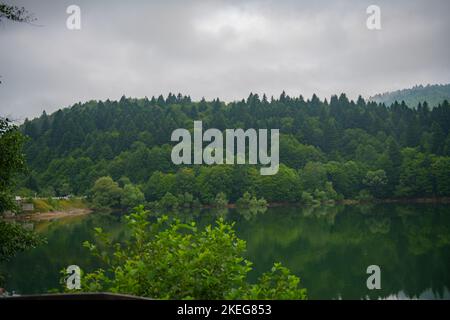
pixel 329 150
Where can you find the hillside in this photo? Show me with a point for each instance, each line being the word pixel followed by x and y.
pixel 328 149
pixel 432 94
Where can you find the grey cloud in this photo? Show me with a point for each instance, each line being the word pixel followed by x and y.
pixel 218 49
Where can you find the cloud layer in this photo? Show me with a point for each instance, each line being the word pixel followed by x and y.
pixel 222 49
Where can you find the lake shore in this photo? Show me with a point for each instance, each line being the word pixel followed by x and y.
pixel 73 212
pixel 50 215
pixel 441 200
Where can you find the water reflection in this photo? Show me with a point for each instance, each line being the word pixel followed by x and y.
pixel 328 247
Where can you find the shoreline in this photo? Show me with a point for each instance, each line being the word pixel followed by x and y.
pixel 434 200
pixel 441 200
pixel 40 216
pixel 73 212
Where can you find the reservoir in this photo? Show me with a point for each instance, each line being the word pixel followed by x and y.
pixel 328 247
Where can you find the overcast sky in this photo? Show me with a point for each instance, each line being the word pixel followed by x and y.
pixel 224 49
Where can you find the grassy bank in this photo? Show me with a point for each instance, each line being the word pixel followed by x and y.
pixel 45 205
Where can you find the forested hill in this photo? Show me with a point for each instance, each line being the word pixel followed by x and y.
pixel 432 94
pixel 328 149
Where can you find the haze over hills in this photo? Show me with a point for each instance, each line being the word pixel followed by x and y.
pixel 432 94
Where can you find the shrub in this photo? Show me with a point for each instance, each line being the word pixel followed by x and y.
pixel 168 201
pixel 320 195
pixel 186 200
pixel 307 198
pixel 248 201
pixel 171 260
pixel 331 194
pixel 106 193
pixel 364 195
pixel 244 201
pixel 131 196
pixel 220 201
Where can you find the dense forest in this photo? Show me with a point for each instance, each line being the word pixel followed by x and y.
pixel 432 94
pixel 329 150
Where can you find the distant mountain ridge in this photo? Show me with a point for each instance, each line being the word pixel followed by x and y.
pixel 433 94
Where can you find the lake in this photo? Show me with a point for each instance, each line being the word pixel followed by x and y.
pixel 329 248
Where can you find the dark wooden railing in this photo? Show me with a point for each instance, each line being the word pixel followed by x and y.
pixel 77 296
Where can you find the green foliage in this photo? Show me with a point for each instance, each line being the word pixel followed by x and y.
pixel 11 161
pixel 249 206
pixel 320 195
pixel 364 195
pixel 331 194
pixel 213 180
pixel 281 187
pixel 13 237
pixel 106 193
pixel 307 198
pixel 440 170
pixel 313 176
pixel 415 175
pixel 48 192
pixel 296 155
pixel 376 181
pixel 261 202
pixel 169 201
pixel 220 201
pixel 346 177
pixel 249 201
pixel 340 141
pixel 279 284
pixel 171 260
pixel 131 196
pixel 186 200
pixel 158 185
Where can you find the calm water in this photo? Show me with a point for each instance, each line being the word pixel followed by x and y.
pixel 328 247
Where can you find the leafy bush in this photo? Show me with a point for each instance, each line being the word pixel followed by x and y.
pixel 331 193
pixel 244 201
pixel 320 195
pixel 364 195
pixel 220 201
pixel 14 238
pixel 186 200
pixel 172 260
pixel 169 201
pixel 261 202
pixel 307 198
pixel 249 201
pixel 131 196
pixel 106 193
